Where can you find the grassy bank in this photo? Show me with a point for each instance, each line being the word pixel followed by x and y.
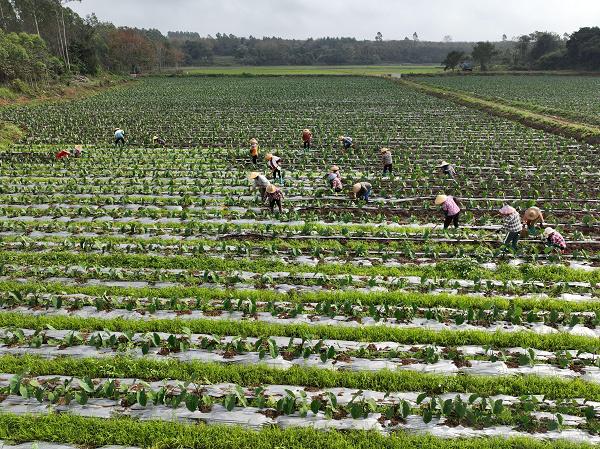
pixel 94 432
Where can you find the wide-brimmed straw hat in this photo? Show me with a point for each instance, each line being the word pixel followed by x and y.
pixel 533 213
pixel 78 147
pixel 384 150
pixel 341 138
pixel 507 210
pixel 253 140
pixel 253 175
pixel 268 156
pixel 117 129
pixel 306 130
pixel 335 168
pixel 548 231
pixel 271 188
pixel 443 164
pixel 440 199
pixel 356 187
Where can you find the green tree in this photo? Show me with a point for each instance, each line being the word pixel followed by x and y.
pixel 453 59
pixel 583 48
pixel 483 53
pixel 544 43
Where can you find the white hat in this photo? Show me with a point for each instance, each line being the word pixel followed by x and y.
pixel 548 231
pixel 384 150
pixel 443 164
pixel 507 210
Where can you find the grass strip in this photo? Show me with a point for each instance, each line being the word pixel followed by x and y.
pixel 582 132
pixel 456 269
pixel 395 298
pixel 252 375
pixel 94 432
pixel 526 339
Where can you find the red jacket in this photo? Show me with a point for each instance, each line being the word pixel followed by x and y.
pixel 62 154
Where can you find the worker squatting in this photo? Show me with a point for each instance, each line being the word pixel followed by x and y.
pixel 515 226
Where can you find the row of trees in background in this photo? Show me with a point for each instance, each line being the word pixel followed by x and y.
pixel 539 50
pixel 42 39
pixel 325 51
pixel 26 58
pixel 86 45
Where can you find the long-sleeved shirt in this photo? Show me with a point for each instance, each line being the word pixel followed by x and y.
pixel 254 149
pixel 306 136
pixel 62 154
pixel 512 223
pixel 119 134
pixel 276 195
pixel 274 163
pixel 387 158
pixel 365 186
pixel 347 141
pixel 556 239
pixel 261 181
pixel 449 170
pixel 450 207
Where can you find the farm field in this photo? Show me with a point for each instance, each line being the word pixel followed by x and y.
pixel 315 70
pixel 147 288
pixel 576 97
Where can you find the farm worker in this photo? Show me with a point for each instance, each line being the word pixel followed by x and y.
pixel 261 183
pixel 361 191
pixel 119 136
pixel 254 150
pixel 307 137
pixel 386 157
pixel 334 178
pixel 512 225
pixel 553 238
pixel 63 154
pixel 450 208
pixel 274 165
pixel 532 217
pixel 77 152
pixel 447 169
pixel 275 196
pixel 346 141
pixel 157 141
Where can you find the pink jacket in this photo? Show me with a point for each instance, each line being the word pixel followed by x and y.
pixel 450 207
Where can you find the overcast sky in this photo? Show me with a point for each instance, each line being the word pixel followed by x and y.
pixel 470 20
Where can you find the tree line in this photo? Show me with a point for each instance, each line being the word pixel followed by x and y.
pixel 44 39
pixel 538 50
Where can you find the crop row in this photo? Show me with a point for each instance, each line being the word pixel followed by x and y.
pixel 528 413
pixel 276 351
pixel 327 312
